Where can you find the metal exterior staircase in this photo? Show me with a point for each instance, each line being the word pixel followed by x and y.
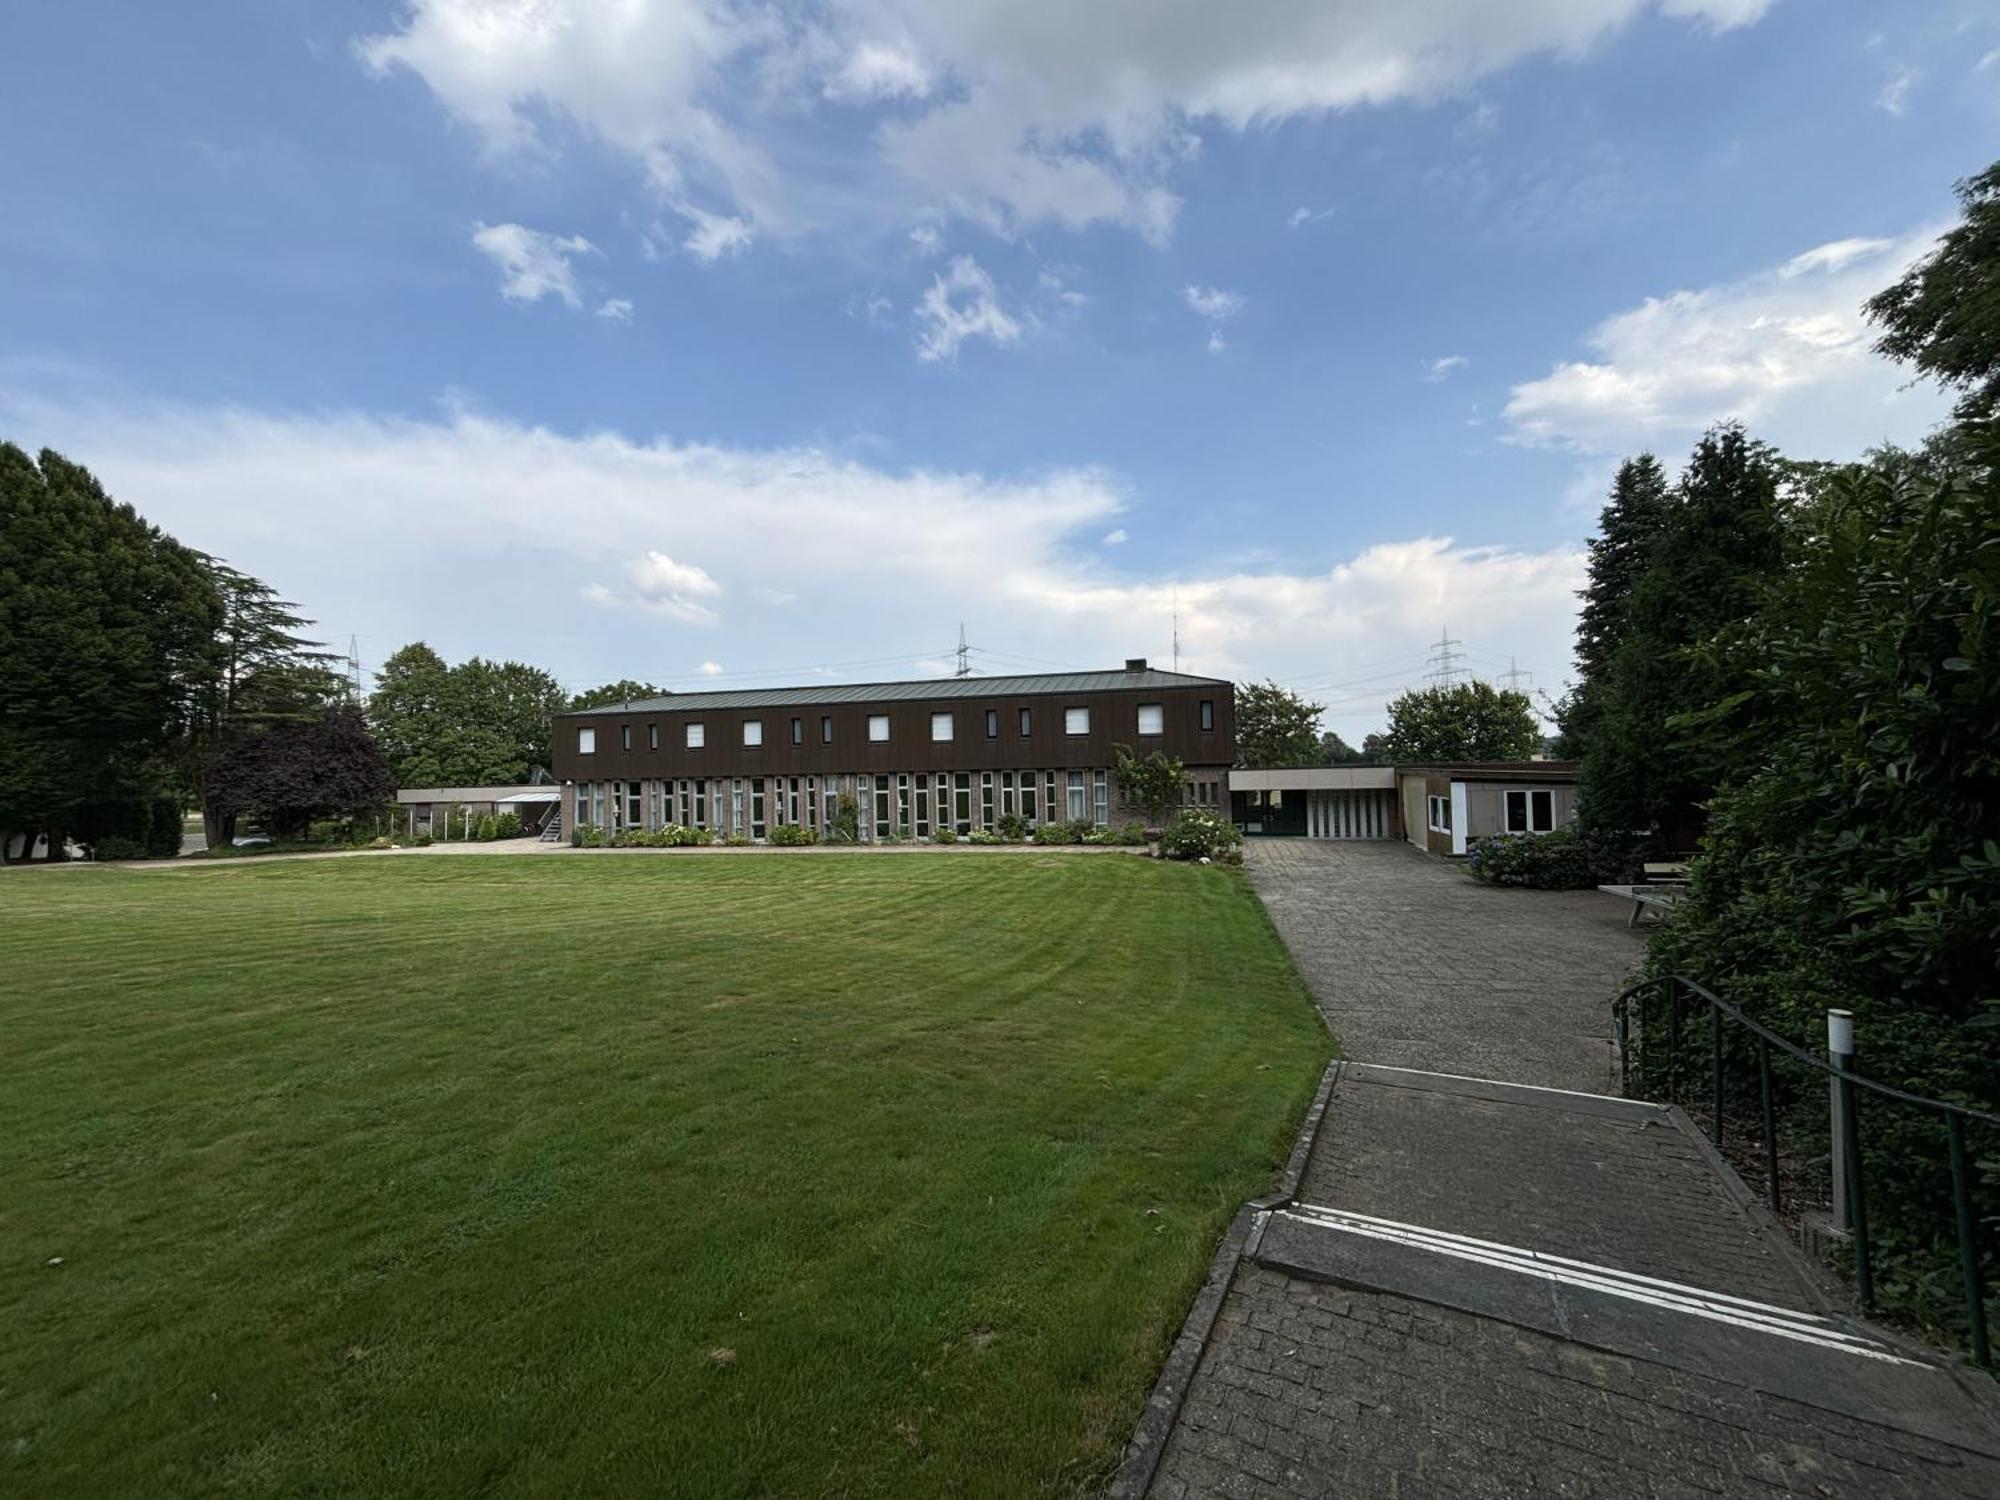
pixel 553 829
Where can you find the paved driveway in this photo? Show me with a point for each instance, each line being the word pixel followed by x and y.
pixel 1417 965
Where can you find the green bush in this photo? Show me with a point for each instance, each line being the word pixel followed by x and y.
pixel 739 841
pixel 1012 828
pixel 586 836
pixel 1050 833
pixel 846 820
pixel 945 835
pixel 507 826
pixel 1567 859
pixel 485 828
pixel 793 835
pixel 984 836
pixel 1199 833
pixel 422 841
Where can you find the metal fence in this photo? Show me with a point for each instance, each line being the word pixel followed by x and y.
pixel 1655 1015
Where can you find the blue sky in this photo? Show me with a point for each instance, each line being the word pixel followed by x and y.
pixel 729 342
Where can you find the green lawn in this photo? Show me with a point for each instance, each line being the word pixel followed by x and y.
pixel 626 1174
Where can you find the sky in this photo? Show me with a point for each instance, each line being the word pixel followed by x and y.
pixel 739 342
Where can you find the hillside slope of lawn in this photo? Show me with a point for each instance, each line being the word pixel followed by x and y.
pixel 620 1175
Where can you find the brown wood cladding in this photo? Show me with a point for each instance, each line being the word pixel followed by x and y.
pixel 1114 720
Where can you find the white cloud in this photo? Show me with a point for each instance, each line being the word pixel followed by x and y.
pixel 962 304
pixel 926 239
pixel 1895 95
pixel 1216 342
pixel 1212 302
pixel 710 669
pixel 1011 112
pixel 615 309
pixel 715 235
pixel 1786 351
pixel 1442 367
pixel 1833 256
pixel 1302 216
pixel 532 264
pixel 880 70
pixel 1116 538
pixel 682 527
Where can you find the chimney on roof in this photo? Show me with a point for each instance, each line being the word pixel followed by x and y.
pixel 1135 663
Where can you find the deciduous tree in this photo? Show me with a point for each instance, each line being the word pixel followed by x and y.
pixel 1944 315
pixel 1471 721
pixel 1275 727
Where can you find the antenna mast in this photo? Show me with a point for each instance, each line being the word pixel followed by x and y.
pixel 354 669
pixel 1177 629
pixel 964 665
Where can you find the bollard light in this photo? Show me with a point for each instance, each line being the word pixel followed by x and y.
pixel 1840 1032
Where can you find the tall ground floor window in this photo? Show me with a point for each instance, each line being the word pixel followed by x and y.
pixel 1049 803
pixel 1100 795
pixel 736 806
pixel 881 807
pixel 756 807
pixel 1077 809
pixel 1028 808
pixel 985 799
pixel 635 813
pixel 961 802
pixel 923 824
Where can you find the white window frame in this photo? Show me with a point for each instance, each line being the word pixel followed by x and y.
pixel 697 735
pixel 945 723
pixel 1076 720
pixel 586 740
pixel 878 729
pixel 753 733
pixel 1440 814
pixel 1156 724
pixel 1529 823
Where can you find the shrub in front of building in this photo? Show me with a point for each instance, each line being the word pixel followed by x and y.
pixel 793 835
pixel 1200 833
pixel 1567 859
pixel 945 836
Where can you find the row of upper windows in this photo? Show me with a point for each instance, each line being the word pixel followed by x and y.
pixel 1152 720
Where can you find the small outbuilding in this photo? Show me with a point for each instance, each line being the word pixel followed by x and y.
pixel 426 808
pixel 1442 809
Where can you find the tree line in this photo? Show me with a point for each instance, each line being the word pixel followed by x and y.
pixel 1787 671
pixel 140 677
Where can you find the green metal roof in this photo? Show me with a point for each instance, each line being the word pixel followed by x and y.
pixel 1042 684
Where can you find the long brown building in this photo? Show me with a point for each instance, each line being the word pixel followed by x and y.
pixel 959 753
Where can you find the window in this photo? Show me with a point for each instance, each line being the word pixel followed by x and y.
pixel 1028 798
pixel 882 805
pixel 1027 722
pixel 624 736
pixel 1207 714
pixel 695 736
pixel 1077 809
pixel 586 742
pixel 993 723
pixel 940 728
pixel 757 807
pixel 986 797
pixel 798 731
pixel 652 736
pixel 826 729
pixel 1441 815
pixel 961 802
pixel 1076 721
pixel 736 806
pixel 1100 791
pixel 753 731
pixel 1152 718
pixel 635 816
pixel 878 729
pixel 1531 812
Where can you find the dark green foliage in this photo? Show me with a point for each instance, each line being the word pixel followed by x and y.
pixel 846 827
pixel 1012 827
pixel 1565 859
pixel 1944 315
pixel 1275 727
pixel 1153 783
pixel 625 690
pixel 793 834
pixel 1473 721
pixel 1628 532
pixel 480 723
pixel 1853 858
pixel 1335 751
pixel 1716 553
pixel 106 633
pixel 296 771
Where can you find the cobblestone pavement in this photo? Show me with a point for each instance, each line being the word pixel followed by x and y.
pixel 1399 1365
pixel 1416 965
pixel 1637 1194
pixel 1315 1390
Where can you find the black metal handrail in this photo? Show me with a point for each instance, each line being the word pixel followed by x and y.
pixel 1845 1081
